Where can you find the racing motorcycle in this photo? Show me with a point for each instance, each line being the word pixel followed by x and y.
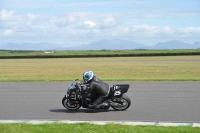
pixel 75 97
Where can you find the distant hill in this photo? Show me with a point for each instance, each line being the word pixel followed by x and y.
pixel 118 44
pixel 114 44
pixel 30 46
pixel 173 45
pixel 197 45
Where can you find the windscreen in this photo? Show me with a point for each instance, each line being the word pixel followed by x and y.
pixel 72 85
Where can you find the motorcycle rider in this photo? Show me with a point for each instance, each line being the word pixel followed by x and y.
pixel 96 85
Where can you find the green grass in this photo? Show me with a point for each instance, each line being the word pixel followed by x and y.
pixel 170 68
pixel 90 52
pixel 89 128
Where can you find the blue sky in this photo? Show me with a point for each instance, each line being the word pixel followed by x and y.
pixel 71 23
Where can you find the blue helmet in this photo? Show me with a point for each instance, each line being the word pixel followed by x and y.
pixel 87 76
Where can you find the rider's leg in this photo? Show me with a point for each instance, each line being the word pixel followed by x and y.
pixel 98 101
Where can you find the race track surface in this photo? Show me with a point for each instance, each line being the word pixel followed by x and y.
pixel 151 101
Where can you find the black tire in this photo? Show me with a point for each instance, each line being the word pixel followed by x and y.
pixel 127 102
pixel 66 104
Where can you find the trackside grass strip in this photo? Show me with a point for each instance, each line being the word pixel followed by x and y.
pixel 90 128
pixel 163 68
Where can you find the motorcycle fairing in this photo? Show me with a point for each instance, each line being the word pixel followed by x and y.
pixel 119 89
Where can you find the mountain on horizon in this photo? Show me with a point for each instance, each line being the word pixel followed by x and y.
pixel 105 44
pixel 115 44
pixel 197 45
pixel 173 45
pixel 31 46
pixel 118 44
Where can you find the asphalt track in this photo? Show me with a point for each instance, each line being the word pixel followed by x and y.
pixel 151 101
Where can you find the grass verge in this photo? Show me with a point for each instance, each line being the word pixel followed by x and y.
pixel 90 128
pixel 170 68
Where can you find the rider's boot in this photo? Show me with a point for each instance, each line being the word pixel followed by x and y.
pixel 102 105
pixel 92 106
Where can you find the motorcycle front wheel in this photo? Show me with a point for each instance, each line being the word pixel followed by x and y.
pixel 125 103
pixel 69 105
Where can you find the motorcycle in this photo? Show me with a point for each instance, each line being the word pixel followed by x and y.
pixel 75 97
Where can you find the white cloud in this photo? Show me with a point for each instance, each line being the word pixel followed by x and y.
pixel 190 30
pixel 8 32
pixel 35 19
pixel 146 29
pixel 69 20
pixel 109 22
pixel 9 15
pixel 168 30
pixel 9 19
pixel 89 24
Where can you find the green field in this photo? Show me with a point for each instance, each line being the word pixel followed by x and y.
pixel 160 68
pixel 91 52
pixel 89 128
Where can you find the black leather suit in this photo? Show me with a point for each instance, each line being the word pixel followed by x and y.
pixel 101 88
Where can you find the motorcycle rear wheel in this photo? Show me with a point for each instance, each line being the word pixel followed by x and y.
pixel 68 105
pixel 126 103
